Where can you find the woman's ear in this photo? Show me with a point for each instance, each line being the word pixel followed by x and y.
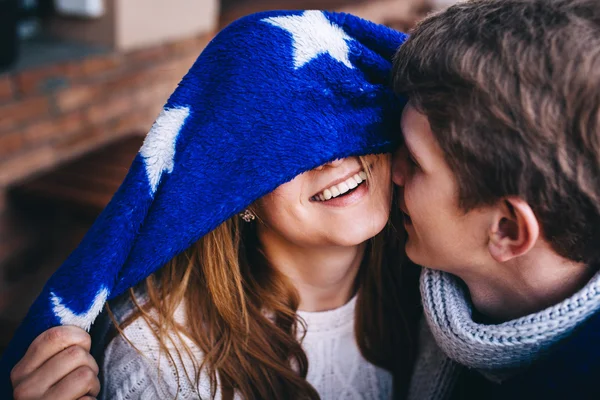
pixel 514 231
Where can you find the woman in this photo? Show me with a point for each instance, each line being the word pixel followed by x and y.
pixel 296 298
pixel 281 306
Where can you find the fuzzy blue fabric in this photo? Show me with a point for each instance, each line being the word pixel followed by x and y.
pixel 273 95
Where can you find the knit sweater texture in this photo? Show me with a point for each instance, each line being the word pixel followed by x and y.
pixel 337 370
pixel 450 339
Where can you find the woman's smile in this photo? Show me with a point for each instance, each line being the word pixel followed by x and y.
pixel 344 190
pixel 342 203
pixel 349 197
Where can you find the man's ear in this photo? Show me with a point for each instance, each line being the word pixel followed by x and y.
pixel 514 231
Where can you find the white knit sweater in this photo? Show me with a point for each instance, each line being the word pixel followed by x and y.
pixel 336 370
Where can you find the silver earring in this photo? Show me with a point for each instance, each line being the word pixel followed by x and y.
pixel 248 216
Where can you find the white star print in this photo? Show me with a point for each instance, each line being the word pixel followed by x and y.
pixel 158 149
pixel 313 34
pixel 83 320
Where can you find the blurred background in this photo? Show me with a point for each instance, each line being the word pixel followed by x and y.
pixel 81 82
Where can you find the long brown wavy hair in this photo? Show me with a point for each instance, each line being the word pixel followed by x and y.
pixel 226 285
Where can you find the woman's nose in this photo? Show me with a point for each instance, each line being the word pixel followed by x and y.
pixel 333 163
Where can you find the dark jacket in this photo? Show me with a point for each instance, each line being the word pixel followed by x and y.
pixel 569 370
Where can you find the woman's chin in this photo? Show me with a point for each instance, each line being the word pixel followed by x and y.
pixel 357 232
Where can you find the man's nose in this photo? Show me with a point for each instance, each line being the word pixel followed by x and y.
pixel 398 163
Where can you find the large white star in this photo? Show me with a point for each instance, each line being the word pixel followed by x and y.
pixel 83 320
pixel 313 34
pixel 158 149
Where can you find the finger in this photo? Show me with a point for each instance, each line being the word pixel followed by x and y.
pixel 80 383
pixel 59 366
pixel 45 346
pixel 52 371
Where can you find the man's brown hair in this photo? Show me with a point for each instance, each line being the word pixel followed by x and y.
pixel 511 89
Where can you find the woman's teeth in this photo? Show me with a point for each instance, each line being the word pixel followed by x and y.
pixel 341 188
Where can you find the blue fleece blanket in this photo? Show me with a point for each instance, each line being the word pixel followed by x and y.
pixel 273 95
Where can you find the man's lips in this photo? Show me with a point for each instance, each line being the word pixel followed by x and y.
pixel 405 214
pixel 402 208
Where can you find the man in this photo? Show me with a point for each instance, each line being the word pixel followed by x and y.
pixel 498 182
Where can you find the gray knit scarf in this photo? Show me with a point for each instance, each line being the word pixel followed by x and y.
pixel 497 351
